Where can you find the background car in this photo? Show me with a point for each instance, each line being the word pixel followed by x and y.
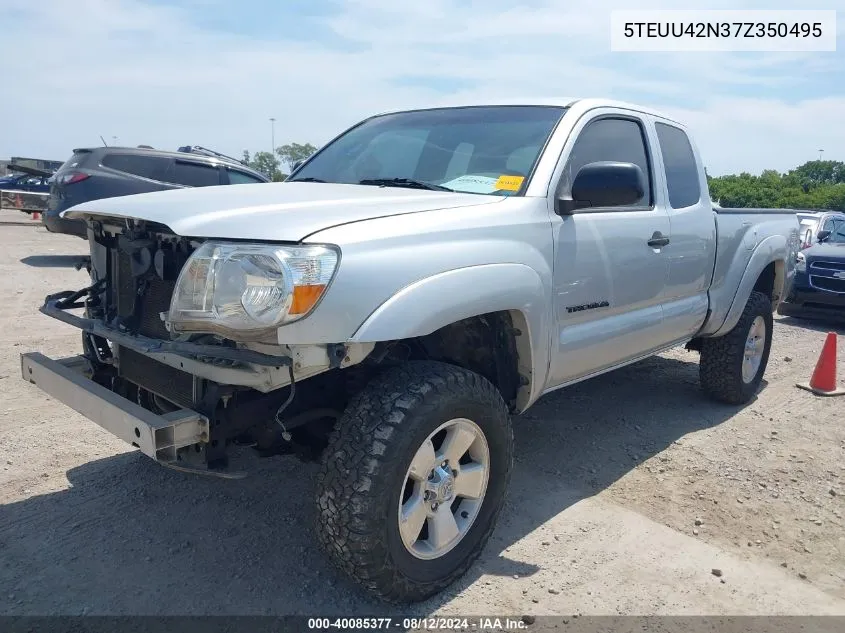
pixel 812 222
pixel 819 286
pixel 25 182
pixel 107 172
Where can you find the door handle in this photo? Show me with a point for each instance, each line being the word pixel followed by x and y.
pixel 658 239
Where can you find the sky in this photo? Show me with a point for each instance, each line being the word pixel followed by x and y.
pixel 213 73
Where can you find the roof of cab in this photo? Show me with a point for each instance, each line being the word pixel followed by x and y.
pixel 562 102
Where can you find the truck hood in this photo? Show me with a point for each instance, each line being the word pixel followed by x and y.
pixel 826 251
pixel 283 211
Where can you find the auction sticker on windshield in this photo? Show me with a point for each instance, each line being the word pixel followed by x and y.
pixel 509 183
pixel 472 184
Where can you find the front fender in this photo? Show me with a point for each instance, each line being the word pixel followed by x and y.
pixel 774 248
pixel 434 302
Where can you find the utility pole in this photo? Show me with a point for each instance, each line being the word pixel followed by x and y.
pixel 272 136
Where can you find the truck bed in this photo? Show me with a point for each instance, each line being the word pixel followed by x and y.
pixel 739 234
pixel 754 211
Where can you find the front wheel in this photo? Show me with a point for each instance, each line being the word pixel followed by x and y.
pixel 414 478
pixel 732 366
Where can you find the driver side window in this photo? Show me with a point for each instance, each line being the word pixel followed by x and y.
pixel 612 139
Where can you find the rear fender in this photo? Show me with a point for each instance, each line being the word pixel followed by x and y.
pixel 774 248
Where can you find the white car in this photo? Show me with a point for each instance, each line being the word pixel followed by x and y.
pixel 812 222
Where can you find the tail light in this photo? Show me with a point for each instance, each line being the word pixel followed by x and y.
pixel 71 177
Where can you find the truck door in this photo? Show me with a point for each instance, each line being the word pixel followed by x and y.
pixel 610 268
pixel 692 251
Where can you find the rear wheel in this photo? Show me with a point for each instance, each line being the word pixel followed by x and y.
pixel 732 366
pixel 414 478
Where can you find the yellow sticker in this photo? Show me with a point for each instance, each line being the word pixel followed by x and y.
pixel 509 183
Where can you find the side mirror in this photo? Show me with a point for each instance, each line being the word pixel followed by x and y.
pixel 823 235
pixel 296 165
pixel 604 184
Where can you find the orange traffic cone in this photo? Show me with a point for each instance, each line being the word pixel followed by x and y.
pixel 823 381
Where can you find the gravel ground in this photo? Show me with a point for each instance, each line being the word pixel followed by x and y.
pixel 629 491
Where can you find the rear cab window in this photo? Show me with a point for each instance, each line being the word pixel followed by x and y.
pixel 682 175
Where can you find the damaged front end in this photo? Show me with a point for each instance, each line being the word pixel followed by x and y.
pixel 181 398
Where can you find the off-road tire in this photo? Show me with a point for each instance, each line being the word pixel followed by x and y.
pixel 720 369
pixel 365 464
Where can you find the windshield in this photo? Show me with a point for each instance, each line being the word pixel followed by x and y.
pixel 837 235
pixel 484 150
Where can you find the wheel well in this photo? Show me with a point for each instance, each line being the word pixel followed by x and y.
pixel 494 345
pixel 769 282
pixel 766 282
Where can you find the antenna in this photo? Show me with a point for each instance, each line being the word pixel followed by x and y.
pixel 103 140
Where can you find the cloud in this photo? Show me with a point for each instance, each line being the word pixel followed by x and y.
pixel 212 72
pixel 736 135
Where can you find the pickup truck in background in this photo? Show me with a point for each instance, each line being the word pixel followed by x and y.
pixel 415 283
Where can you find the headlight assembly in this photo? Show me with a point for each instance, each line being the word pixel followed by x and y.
pixel 245 291
pixel 800 262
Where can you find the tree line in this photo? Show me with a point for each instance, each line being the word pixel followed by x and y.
pixel 818 184
pixel 271 163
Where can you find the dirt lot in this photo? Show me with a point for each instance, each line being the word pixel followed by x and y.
pixel 628 491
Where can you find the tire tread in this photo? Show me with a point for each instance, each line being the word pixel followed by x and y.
pixel 350 508
pixel 719 372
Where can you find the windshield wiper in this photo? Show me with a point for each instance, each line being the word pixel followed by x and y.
pixel 309 179
pixel 409 183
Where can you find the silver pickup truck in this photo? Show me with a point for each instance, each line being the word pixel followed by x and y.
pixel 415 283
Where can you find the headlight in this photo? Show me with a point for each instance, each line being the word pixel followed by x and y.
pixel 247 290
pixel 800 262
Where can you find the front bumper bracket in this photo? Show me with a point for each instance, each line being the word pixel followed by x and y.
pixel 157 436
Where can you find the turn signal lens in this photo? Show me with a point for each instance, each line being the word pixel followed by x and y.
pixel 304 298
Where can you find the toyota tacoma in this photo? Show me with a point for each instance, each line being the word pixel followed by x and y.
pixel 415 284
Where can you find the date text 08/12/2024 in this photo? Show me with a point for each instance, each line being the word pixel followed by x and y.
pixel 420 623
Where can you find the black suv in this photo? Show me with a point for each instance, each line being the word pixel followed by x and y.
pixel 107 172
